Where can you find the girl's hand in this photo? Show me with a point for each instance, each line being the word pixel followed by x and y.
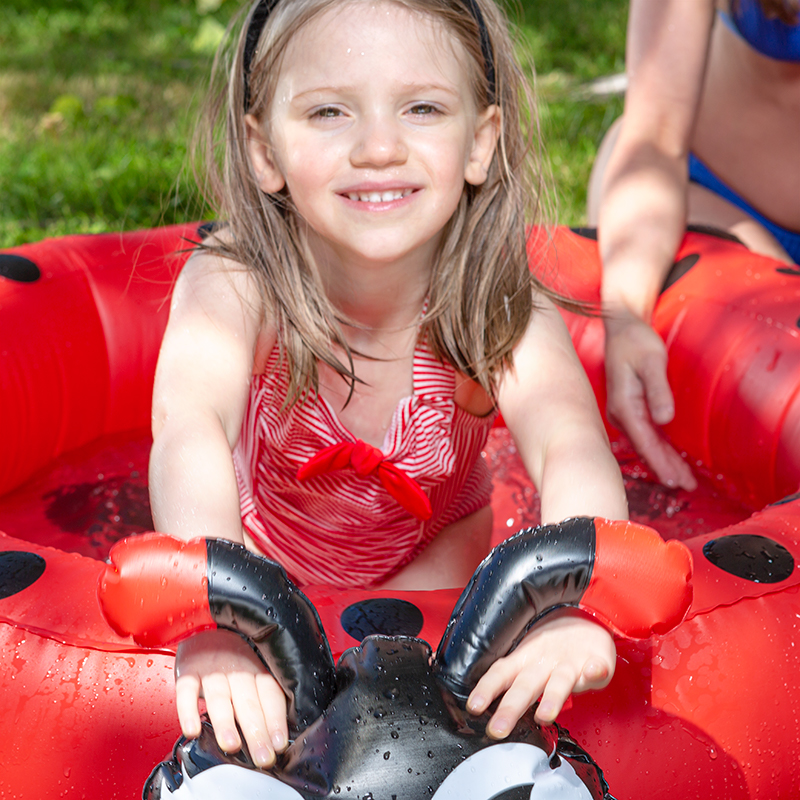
pixel 564 653
pixel 220 666
pixel 640 398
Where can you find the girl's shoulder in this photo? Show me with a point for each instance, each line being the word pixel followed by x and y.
pixel 207 268
pixel 224 292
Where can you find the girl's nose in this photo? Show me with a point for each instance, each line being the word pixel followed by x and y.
pixel 380 143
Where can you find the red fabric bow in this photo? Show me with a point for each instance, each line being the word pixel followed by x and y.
pixel 368 460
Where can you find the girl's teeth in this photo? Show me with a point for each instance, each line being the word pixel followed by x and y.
pixel 378 197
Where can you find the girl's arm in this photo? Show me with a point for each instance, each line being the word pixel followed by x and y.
pixel 642 213
pixel 548 405
pixel 550 410
pixel 201 389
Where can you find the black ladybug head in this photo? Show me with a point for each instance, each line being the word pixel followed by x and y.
pixel 388 723
pixel 391 731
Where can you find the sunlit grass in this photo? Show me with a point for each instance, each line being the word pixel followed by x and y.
pixel 97 101
pixel 571 43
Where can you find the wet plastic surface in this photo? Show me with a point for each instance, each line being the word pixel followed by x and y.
pixel 707 710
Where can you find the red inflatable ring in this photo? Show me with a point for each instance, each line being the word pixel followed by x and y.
pixel 705 710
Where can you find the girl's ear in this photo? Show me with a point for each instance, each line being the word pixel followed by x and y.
pixel 487 132
pixel 268 176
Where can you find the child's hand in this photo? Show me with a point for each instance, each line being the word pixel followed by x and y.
pixel 219 666
pixel 564 653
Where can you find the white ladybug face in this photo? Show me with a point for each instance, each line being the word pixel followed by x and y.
pixel 490 774
pixel 231 780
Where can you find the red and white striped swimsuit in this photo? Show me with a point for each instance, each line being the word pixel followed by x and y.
pixel 342 528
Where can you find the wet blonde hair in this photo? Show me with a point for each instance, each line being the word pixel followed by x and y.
pixel 480 295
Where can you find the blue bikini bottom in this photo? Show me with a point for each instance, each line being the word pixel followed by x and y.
pixel 699 173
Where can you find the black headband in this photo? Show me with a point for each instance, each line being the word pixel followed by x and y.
pixel 264 8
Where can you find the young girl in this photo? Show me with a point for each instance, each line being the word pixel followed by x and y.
pixel 338 351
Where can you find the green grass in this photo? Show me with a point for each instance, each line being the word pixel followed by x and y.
pixel 97 100
pixel 573 42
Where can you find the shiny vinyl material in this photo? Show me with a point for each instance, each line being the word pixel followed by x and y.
pixel 706 710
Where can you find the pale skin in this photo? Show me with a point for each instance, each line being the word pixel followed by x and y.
pixel 398 119
pixel 694 86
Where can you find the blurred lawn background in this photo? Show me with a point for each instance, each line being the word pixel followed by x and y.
pixel 97 100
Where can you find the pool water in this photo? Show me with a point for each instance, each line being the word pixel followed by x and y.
pixel 92 497
pixel 674 513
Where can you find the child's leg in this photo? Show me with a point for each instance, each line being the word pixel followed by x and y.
pixel 449 561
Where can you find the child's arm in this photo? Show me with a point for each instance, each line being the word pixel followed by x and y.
pixel 201 387
pixel 202 383
pixel 550 409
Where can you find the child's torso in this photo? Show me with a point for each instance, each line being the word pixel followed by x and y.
pixel 342 527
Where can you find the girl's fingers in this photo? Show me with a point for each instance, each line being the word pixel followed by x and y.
pixel 564 654
pixel 664 460
pixel 640 398
pixel 516 701
pixel 498 679
pixel 273 703
pixel 187 693
pixel 596 674
pixel 553 691
pixel 256 701
pixel 220 666
pixel 559 687
pixel 519 682
pixel 250 714
pixel 217 694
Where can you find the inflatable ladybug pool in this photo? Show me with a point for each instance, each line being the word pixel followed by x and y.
pixel 702 709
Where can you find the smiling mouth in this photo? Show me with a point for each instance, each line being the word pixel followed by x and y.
pixel 379 197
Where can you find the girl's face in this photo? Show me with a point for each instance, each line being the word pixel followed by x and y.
pixel 374 130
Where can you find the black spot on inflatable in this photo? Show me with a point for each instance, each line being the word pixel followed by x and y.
pixel 788 499
pixel 386 616
pixel 18 571
pixel 754 558
pixel 707 230
pixel 719 233
pixel 517 793
pixel 679 269
pixel 789 271
pixel 18 268
pixel 207 228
